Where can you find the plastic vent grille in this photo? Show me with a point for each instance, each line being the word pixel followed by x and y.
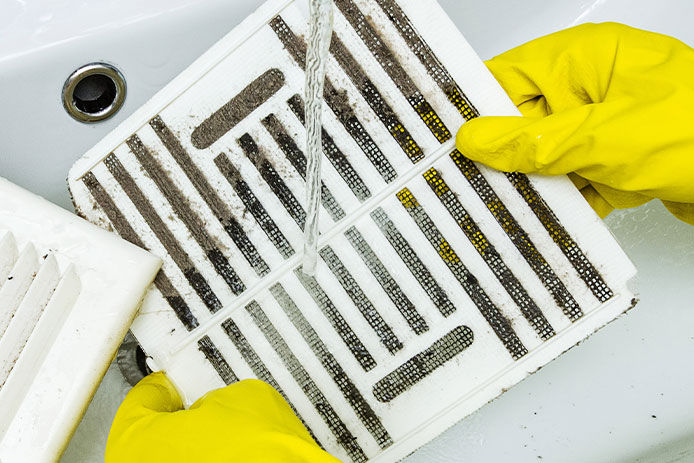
pixel 68 292
pixel 439 283
pixel 35 297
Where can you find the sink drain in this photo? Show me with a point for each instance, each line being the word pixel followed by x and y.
pixel 94 92
pixel 132 360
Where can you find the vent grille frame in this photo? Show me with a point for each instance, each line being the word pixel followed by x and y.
pixel 69 292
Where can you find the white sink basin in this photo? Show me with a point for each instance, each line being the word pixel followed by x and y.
pixel 622 396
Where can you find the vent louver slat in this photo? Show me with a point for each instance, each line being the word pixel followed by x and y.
pixel 16 285
pixel 8 256
pixel 27 315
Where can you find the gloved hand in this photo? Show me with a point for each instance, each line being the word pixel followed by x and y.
pixel 245 422
pixel 610 105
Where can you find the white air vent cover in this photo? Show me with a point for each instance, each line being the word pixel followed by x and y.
pixel 440 282
pixel 68 292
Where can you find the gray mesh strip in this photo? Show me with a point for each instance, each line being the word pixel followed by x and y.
pixel 237 109
pixel 361 301
pixel 273 179
pixel 427 57
pixel 415 265
pixel 499 323
pixel 298 160
pixel 217 205
pixel 310 283
pixel 338 322
pixel 313 393
pixel 385 57
pixel 423 364
pixel 491 256
pixel 350 392
pixel 259 369
pixel 255 207
pixel 184 211
pixel 373 97
pixel 122 226
pixel 518 236
pixel 387 282
pixel 561 237
pixel 212 354
pixel 163 234
pixel 338 102
pixel 334 154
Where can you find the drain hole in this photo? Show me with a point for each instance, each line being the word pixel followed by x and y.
pixel 132 360
pixel 141 360
pixel 94 94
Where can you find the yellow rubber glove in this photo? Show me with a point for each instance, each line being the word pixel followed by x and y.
pixel 611 105
pixel 245 422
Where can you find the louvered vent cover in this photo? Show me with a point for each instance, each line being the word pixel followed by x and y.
pixel 68 291
pixel 440 282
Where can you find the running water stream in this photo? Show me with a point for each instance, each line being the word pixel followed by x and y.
pixel 320 33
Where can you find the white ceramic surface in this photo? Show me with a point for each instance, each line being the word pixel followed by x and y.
pixel 622 396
